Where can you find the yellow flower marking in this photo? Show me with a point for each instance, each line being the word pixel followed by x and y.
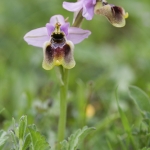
pixel 126 15
pixel 57 62
pixel 90 111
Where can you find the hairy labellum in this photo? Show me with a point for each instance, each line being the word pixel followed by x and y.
pixel 116 15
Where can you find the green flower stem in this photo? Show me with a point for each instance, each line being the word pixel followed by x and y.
pixel 63 92
pixel 78 20
pixel 63 104
pixel 20 144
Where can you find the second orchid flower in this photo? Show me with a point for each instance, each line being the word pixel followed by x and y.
pixel 115 14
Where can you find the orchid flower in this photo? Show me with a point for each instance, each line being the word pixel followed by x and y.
pixel 115 14
pixel 87 7
pixel 57 40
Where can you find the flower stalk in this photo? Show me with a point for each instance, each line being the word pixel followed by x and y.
pixel 63 104
pixel 57 39
pixel 63 92
pixel 78 20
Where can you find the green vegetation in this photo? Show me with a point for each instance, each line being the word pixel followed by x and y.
pixel 112 76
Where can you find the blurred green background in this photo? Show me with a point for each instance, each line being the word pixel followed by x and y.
pixel 110 58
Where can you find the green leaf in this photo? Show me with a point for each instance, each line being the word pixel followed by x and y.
pixel 3 137
pixel 125 123
pixel 145 148
pixel 109 145
pixel 64 145
pixel 32 126
pixel 2 110
pixel 140 98
pixel 22 126
pixel 38 141
pixel 27 141
pixel 75 139
pixel 14 139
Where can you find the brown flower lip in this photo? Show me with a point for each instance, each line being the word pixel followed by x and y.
pixel 58 51
pixel 115 14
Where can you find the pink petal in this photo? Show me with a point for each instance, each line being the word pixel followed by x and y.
pixel 50 28
pixel 94 2
pixel 64 28
pixel 57 18
pixel 88 11
pixel 37 37
pixel 77 35
pixel 73 6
